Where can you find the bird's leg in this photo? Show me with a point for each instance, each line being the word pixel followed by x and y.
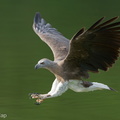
pixel 54 85
pixel 57 89
pixel 41 96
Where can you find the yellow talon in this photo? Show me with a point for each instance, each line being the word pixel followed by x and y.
pixel 39 101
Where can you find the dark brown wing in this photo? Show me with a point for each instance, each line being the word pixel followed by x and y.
pixel 94 49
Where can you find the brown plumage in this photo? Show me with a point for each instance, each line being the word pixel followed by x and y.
pixel 94 49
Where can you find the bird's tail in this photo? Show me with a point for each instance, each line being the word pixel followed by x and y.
pixel 86 86
pixel 99 86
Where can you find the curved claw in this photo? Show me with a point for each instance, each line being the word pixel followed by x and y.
pixel 38 101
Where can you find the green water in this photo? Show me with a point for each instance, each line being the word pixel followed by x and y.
pixel 20 49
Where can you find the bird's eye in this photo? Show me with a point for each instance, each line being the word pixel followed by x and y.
pixel 42 63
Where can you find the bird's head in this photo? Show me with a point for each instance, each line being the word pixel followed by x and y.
pixel 43 63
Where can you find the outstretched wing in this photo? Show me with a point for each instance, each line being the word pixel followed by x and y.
pixel 57 42
pixel 94 49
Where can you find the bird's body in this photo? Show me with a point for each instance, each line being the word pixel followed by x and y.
pixel 91 50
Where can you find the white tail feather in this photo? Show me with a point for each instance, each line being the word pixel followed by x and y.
pixel 77 86
pixel 98 86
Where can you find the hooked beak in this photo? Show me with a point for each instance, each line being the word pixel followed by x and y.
pixel 37 66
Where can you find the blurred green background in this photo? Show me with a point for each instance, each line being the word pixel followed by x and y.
pixel 21 48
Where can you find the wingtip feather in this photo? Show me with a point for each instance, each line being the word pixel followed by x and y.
pixel 81 31
pixel 37 17
pixel 96 23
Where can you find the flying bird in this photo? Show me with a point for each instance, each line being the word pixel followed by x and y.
pixel 88 51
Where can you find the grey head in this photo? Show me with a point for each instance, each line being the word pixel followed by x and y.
pixel 44 63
